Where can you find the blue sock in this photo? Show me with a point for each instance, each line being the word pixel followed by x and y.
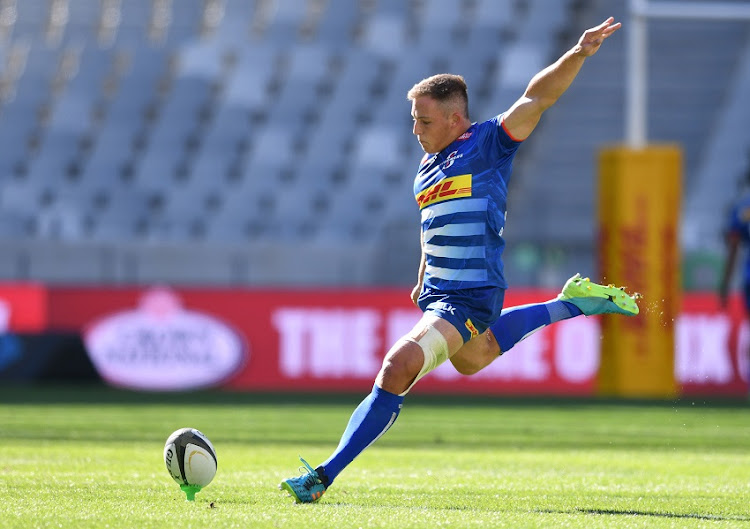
pixel 370 420
pixel 516 323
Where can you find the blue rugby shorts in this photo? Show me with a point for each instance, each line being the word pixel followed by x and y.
pixel 471 311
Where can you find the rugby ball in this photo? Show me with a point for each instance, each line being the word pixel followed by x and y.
pixel 190 458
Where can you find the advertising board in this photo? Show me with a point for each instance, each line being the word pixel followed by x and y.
pixel 334 340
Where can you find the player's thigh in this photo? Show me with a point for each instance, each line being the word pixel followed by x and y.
pixel 403 350
pixel 450 333
pixel 407 358
pixel 476 354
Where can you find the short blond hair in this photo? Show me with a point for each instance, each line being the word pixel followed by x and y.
pixel 445 88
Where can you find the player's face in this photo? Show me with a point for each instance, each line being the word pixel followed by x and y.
pixel 433 126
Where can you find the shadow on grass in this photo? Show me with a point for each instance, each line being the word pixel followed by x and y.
pixel 601 512
pixel 633 512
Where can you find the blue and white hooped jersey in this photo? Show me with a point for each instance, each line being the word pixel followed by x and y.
pixel 461 192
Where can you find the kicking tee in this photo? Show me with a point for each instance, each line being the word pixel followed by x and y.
pixel 461 193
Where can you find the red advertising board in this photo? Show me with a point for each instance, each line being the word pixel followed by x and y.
pixel 23 307
pixel 711 347
pixel 334 340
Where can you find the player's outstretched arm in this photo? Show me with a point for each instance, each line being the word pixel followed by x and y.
pixel 548 85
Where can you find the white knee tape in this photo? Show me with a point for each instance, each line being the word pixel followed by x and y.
pixel 435 350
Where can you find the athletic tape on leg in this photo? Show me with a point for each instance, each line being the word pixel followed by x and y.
pixel 435 350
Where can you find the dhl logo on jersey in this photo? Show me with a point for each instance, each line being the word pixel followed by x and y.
pixel 454 187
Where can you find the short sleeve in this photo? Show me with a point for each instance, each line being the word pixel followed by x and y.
pixel 496 141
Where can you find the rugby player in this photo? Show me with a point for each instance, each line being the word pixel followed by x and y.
pixel 461 190
pixel 736 235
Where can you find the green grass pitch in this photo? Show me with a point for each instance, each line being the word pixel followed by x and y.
pixel 92 458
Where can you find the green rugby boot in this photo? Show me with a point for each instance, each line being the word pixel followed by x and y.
pixel 307 488
pixel 593 298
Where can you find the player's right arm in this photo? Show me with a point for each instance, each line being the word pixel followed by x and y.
pixel 420 276
pixel 546 87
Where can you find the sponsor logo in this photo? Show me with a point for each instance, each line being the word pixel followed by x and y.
pixel 452 157
pixel 448 188
pixel 465 136
pixel 338 343
pixel 442 306
pixel 162 346
pixel 473 330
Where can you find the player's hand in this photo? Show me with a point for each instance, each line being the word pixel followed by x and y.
pixel 592 39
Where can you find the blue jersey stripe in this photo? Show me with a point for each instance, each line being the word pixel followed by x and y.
pixel 474 240
pixel 447 262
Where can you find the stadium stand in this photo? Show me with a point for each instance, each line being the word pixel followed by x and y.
pixel 268 141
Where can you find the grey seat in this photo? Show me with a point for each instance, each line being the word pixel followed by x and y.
pixel 338 23
pixel 119 219
pixel 246 86
pixel 234 28
pixel 133 23
pixel 286 20
pixel 185 22
pixel 31 17
pixel 83 19
pixel 57 153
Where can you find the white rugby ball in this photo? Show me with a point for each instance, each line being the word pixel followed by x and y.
pixel 190 457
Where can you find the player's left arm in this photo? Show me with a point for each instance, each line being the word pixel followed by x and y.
pixel 546 87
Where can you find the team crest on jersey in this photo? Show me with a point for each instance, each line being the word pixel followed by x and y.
pixel 452 157
pixel 472 329
pixel 465 136
pixel 454 187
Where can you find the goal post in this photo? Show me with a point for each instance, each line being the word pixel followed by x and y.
pixel 639 209
pixel 636 101
pixel 640 200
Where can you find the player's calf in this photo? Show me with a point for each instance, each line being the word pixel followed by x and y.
pixel 476 354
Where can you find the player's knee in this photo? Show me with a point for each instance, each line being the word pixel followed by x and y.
pixel 400 366
pixel 430 349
